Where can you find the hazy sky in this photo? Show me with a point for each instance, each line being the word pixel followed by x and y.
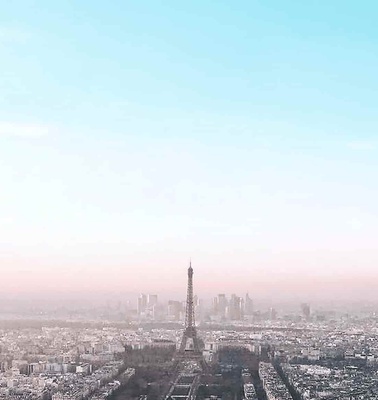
pixel 137 134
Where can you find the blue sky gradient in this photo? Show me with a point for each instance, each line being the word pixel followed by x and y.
pixel 134 135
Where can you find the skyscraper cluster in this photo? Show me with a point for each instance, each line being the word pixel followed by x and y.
pixel 234 308
pixel 147 305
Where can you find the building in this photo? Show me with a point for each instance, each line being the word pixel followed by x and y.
pixel 235 308
pixel 248 305
pixel 142 304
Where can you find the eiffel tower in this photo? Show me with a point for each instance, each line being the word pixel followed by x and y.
pixel 189 348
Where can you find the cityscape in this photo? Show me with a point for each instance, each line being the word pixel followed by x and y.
pixel 160 352
pixel 188 200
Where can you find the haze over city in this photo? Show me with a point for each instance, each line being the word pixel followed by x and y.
pixel 188 200
pixel 137 135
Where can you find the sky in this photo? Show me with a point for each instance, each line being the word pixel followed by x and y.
pixel 135 135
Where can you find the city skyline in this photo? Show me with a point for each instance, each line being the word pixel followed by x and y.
pixel 135 136
pixel 188 200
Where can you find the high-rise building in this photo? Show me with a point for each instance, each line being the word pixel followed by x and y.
pixel 272 314
pixel 234 309
pixel 142 304
pixel 215 306
pixel 248 305
pixel 222 305
pixel 174 310
pixel 152 300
